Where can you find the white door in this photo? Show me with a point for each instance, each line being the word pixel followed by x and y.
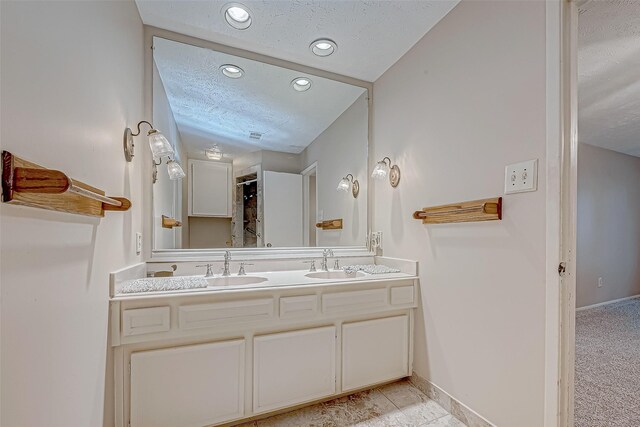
pixel 191 386
pixel 209 188
pixel 374 351
pixel 282 209
pixel 293 367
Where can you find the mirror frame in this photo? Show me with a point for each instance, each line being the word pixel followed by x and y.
pixel 164 255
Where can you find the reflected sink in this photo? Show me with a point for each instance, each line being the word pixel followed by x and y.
pixel 334 275
pixel 235 280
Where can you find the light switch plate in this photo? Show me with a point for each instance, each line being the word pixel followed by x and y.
pixel 521 177
pixel 138 243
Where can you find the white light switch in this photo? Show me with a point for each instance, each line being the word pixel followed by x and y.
pixel 521 177
pixel 138 243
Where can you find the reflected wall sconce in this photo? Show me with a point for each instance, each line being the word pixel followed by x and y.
pixel 160 147
pixel 384 168
pixel 349 182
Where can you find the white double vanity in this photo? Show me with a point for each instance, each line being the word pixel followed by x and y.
pixel 215 355
pixel 278 174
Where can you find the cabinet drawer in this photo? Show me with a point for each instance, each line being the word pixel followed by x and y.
pixel 401 295
pixel 356 300
pixel 208 315
pixel 298 306
pixel 138 321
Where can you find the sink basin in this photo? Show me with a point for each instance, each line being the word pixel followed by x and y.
pixel 334 275
pixel 235 280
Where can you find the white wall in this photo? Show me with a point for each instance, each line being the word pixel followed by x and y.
pixel 339 150
pixel 464 102
pixel 167 194
pixel 608 229
pixel 72 78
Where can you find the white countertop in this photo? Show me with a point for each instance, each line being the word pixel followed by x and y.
pixel 274 280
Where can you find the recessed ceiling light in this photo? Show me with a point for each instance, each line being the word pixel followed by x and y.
pixel 301 84
pixel 232 71
pixel 237 15
pixel 323 47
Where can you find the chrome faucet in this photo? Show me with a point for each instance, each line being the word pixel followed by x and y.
pixel 225 269
pixel 241 271
pixel 312 265
pixel 209 272
pixel 325 254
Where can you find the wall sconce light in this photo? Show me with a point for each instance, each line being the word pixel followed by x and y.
pixel 384 168
pixel 173 168
pixel 160 147
pixel 347 182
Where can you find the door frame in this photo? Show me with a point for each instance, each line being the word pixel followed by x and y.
pixel 561 173
pixel 306 173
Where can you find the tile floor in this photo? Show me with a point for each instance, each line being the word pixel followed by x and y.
pixel 395 405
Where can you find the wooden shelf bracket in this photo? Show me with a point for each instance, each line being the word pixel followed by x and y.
pixel 330 224
pixel 477 210
pixel 28 184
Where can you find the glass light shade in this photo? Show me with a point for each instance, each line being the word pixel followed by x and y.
pixel 159 145
pixel 380 171
pixel 213 153
pixel 175 170
pixel 343 185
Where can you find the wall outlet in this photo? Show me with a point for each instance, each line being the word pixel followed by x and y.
pixel 600 282
pixel 138 243
pixel 521 177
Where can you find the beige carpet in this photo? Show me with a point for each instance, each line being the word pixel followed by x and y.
pixel 608 366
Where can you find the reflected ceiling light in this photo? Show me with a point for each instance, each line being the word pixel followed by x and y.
pixel 237 15
pixel 232 71
pixel 213 153
pixel 349 181
pixel 301 84
pixel 384 168
pixel 323 47
pixel 175 170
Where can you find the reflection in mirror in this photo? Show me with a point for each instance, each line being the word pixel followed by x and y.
pixel 265 149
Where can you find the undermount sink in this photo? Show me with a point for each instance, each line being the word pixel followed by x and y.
pixel 235 280
pixel 334 275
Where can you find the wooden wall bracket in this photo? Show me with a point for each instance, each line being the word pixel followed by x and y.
pixel 168 222
pixel 28 184
pixel 330 224
pixel 477 210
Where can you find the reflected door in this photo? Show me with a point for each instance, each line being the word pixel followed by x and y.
pixel 282 209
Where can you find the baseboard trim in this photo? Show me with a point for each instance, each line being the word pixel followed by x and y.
pixel 462 412
pixel 600 304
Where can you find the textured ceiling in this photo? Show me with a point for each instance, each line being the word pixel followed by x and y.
pixel 209 107
pixel 609 75
pixel 371 35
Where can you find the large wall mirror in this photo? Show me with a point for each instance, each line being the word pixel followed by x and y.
pixel 273 157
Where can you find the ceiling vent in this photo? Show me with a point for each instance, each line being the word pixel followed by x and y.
pixel 255 135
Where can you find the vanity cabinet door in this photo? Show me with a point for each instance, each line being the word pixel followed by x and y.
pixel 374 351
pixel 209 188
pixel 293 367
pixel 190 386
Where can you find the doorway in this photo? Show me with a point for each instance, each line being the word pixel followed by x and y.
pixel 310 203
